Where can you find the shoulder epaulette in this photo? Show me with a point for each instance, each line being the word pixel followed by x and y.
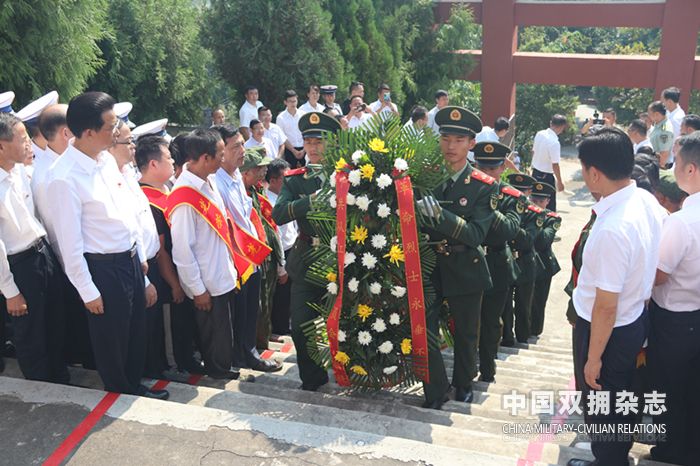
pixel 552 214
pixel 296 171
pixel 534 208
pixel 511 191
pixel 483 177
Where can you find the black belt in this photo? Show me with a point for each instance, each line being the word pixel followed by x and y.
pixel 446 249
pixel 111 257
pixel 35 248
pixel 308 239
pixel 494 249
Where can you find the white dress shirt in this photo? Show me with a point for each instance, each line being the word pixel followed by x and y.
pixel 202 258
pixel 19 228
pixel 376 107
pixel 679 257
pixel 42 168
pixel 290 125
pixel 307 107
pixel 546 150
pixel 676 119
pixel 361 122
pixel 487 134
pixel 431 120
pixel 621 253
pixel 644 143
pixel 144 216
pixel 270 149
pixel 248 112
pixel 275 134
pixel 90 213
pixel 289 231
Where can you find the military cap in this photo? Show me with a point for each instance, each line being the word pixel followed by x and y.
pixel 521 181
pixel 540 189
pixel 328 89
pixel 457 120
pixel 254 157
pixel 6 99
pixel 30 113
pixel 490 154
pixel 156 127
pixel 314 124
pixel 122 110
pixel 668 186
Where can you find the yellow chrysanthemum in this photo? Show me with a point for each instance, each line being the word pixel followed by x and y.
pixel 340 164
pixel 364 311
pixel 406 346
pixel 331 276
pixel 342 358
pixel 367 171
pixel 359 234
pixel 395 255
pixel 359 370
pixel 377 145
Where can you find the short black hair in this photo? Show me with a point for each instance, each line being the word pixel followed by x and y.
pixel 658 107
pixel 690 148
pixel 649 166
pixel 354 85
pixel 289 93
pixel 638 126
pixel 249 88
pixel 253 122
pixel 418 113
pixel 647 150
pixel 276 168
pixel 263 109
pixel 500 124
pixel 610 151
pixel 177 149
pixel 51 121
pixel 201 141
pixel 610 110
pixel 8 121
pixel 226 131
pixel 85 111
pixel 440 93
pixel 353 97
pixel 314 87
pixel 149 148
pixel 692 121
pixel 672 93
pixel 558 120
pixel 383 87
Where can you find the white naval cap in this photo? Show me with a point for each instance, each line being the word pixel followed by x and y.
pixel 6 99
pixel 122 110
pixel 156 127
pixel 32 111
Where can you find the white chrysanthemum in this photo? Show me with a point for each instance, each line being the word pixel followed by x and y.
pixel 354 177
pixel 383 210
pixel 332 180
pixel 341 336
pixel 398 291
pixel 390 370
pixel 334 244
pixel 357 156
pixel 350 199
pixel 378 241
pixel 394 319
pixel 368 260
pixel 349 258
pixel 353 284
pixel 384 181
pixel 386 347
pixel 375 288
pixel 362 203
pixel 332 288
pixel 364 338
pixel 379 325
pixel 400 164
pixel 331 201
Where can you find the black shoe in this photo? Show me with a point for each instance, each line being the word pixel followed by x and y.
pixel 487 379
pixel 194 367
pixel 267 366
pixel 508 343
pixel 436 404
pixel 579 462
pixel 2 365
pixel 155 394
pixel 228 375
pixel 465 395
pixel 312 387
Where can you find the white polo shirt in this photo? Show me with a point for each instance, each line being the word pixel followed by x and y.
pixel 248 112
pixel 270 150
pixel 546 150
pixel 290 125
pixel 621 253
pixel 431 120
pixel 679 256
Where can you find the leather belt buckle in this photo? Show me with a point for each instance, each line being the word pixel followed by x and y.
pixel 443 248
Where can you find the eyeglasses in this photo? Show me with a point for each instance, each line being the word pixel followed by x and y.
pixel 127 142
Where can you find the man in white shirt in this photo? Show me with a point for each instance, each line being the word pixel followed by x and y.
pixel 202 250
pixel 249 110
pixel 288 120
pixel 546 154
pixel 313 105
pixel 272 131
pixel 617 275
pixel 100 243
pixel 257 139
pixel 31 280
pixel 637 131
pixel 418 120
pixel 356 88
pixel 489 134
pixel 30 117
pixel 360 113
pixel 442 99
pixel 383 105
pixel 674 347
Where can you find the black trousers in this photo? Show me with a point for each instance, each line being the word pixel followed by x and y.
pixel 39 335
pixel 156 361
pixel 280 306
pixel 293 161
pixel 78 348
pixel 184 330
pixel 673 358
pixel 492 306
pixel 549 179
pixel 539 303
pixel 311 374
pixel 516 313
pixel 119 335
pixel 215 335
pixel 617 374
pixel 244 324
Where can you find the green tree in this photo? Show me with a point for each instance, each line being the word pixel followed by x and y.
pixel 49 44
pixel 155 60
pixel 275 45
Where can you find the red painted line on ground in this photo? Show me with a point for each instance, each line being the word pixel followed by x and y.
pixel 194 379
pixel 287 347
pixel 536 447
pixel 160 385
pixel 267 354
pixel 81 430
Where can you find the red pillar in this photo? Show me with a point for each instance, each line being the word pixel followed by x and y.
pixel 500 41
pixel 679 36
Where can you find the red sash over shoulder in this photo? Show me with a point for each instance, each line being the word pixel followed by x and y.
pixel 266 211
pixel 156 197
